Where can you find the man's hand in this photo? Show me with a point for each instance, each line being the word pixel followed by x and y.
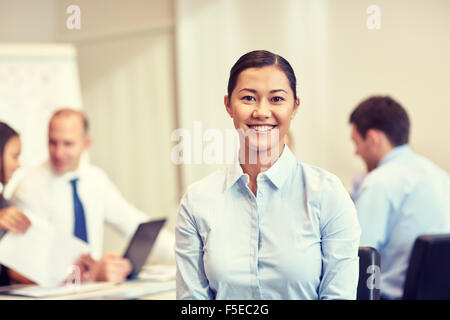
pixel 14 220
pixel 113 267
pixel 87 267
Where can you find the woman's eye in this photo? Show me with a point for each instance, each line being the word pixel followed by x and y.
pixel 248 98
pixel 277 99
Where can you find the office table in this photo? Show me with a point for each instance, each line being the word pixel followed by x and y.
pixel 132 289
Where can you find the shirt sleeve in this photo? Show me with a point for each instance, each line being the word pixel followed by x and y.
pixel 340 242
pixel 373 211
pixel 119 213
pixel 356 184
pixel 191 280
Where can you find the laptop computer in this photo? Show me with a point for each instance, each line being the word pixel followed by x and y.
pixel 141 244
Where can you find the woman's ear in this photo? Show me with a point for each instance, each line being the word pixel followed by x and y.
pixel 296 107
pixel 226 102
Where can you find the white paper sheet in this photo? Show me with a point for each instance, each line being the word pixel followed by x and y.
pixel 43 254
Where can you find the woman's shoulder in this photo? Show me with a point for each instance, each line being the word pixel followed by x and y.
pixel 210 184
pixel 325 191
pixel 316 178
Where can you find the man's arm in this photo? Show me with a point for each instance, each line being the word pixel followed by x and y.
pixel 119 213
pixel 125 218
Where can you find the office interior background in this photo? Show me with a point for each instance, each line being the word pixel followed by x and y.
pixel 148 67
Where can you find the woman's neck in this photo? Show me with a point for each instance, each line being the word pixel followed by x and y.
pixel 258 163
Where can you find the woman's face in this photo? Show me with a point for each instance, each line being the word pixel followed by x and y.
pixel 11 155
pixel 262 106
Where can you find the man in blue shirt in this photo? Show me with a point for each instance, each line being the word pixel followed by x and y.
pixel 403 195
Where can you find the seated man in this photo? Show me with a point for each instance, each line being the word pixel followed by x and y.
pixel 403 195
pixel 78 197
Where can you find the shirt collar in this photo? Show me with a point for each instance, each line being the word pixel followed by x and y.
pixel 234 172
pixel 68 176
pixel 277 173
pixel 395 153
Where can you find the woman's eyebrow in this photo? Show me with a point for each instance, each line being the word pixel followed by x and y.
pixel 271 91
pixel 247 89
pixel 277 90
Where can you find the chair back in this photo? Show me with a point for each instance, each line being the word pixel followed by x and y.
pixel 428 275
pixel 369 274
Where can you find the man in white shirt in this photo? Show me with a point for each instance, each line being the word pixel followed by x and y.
pixel 78 197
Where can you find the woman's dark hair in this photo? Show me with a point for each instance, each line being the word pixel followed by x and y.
pixel 384 114
pixel 259 59
pixel 6 133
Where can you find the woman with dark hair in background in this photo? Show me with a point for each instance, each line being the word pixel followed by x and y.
pixel 11 218
pixel 267 227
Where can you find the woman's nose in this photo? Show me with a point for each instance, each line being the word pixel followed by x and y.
pixel 262 110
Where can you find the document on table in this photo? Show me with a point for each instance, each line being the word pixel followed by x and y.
pixel 43 254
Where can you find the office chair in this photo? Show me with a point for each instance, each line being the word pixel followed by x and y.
pixel 428 275
pixel 369 274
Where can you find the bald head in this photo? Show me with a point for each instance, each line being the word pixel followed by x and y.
pixel 68 112
pixel 67 139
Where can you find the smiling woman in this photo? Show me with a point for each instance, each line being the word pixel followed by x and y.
pixel 276 229
pixel 262 106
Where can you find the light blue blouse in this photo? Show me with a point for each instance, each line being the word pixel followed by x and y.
pixel 404 197
pixel 297 239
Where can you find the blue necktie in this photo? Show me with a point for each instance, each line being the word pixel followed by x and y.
pixel 80 219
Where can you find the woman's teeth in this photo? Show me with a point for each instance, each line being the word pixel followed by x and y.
pixel 262 128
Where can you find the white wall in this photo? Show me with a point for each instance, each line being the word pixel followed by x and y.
pixel 25 20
